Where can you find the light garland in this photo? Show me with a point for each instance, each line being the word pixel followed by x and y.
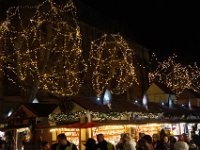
pixel 101 116
pixel 176 76
pixel 120 116
pixel 66 117
pixel 112 62
pixel 45 50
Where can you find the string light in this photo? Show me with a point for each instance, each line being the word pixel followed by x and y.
pixel 109 116
pixel 44 50
pixel 112 62
pixel 176 76
pixel 195 77
pixel 66 117
pixel 100 116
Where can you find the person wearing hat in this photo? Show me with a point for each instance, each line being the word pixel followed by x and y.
pixel 63 143
pixel 90 144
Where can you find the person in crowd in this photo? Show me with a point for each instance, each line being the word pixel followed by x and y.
pixel 103 144
pixel 172 140
pixel 163 143
pixel 140 137
pixel 120 144
pixel 129 144
pixel 90 144
pixel 196 138
pixel 192 145
pixel 26 142
pixel 2 144
pixel 181 144
pixel 45 145
pixel 142 145
pixel 155 138
pixel 63 143
pixel 149 141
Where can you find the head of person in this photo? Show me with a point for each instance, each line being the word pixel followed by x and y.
pixel 90 143
pixel 141 135
pixel 142 144
pixel 155 137
pixel 148 139
pixel 166 139
pixel 180 138
pixel 126 138
pixel 62 139
pixel 45 145
pixel 100 138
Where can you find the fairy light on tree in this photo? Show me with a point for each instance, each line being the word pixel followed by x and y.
pixel 112 63
pixel 176 76
pixel 195 77
pixel 44 51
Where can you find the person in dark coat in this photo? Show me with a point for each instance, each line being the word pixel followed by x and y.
pixel 103 144
pixel 63 143
pixel 90 144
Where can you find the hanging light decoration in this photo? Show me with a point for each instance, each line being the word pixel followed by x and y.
pixel 112 62
pixel 45 49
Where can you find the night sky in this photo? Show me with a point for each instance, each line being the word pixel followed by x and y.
pixel 164 27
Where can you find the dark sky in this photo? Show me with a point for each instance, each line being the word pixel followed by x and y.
pixel 164 27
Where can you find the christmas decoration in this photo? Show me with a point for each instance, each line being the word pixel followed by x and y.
pixel 112 62
pixel 43 50
pixel 175 75
pixel 100 116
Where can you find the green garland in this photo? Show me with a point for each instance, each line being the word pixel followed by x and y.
pixel 66 117
pixel 100 116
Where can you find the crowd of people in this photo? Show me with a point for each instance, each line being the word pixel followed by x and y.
pixel 160 141
pixel 145 142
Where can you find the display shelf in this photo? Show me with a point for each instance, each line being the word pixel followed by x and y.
pixel 111 133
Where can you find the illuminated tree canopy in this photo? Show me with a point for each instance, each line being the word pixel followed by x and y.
pixel 43 50
pixel 175 75
pixel 112 63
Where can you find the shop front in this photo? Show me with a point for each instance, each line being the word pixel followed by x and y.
pixel 114 124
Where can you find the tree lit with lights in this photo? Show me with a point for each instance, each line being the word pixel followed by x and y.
pixel 195 77
pixel 44 50
pixel 112 63
pixel 175 75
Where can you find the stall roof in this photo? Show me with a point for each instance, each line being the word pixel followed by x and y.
pixel 41 110
pixel 125 106
pixel 116 105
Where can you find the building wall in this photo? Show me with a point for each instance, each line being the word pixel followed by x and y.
pixel 194 101
pixel 155 94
